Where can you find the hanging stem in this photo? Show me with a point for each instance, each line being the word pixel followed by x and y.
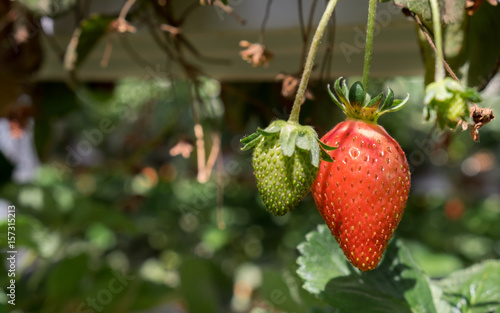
pixel 294 115
pixel 370 27
pixel 438 39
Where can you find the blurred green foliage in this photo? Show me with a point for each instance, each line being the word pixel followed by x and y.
pixel 130 209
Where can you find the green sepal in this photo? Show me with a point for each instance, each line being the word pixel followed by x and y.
pixel 357 95
pixel 358 104
pixel 250 141
pixel 334 99
pixel 325 156
pixel 374 102
pixel 251 144
pixel 291 135
pixel 315 151
pixel 397 105
pixel 341 92
pixel 389 100
pixel 304 140
pixel 249 138
pixel 323 151
pixel 325 146
pixel 275 126
pixel 471 94
pixel 288 135
pixel 265 132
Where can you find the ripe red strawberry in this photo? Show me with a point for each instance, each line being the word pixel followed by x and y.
pixel 285 161
pixel 362 194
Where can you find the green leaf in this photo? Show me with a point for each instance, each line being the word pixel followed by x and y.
pixel 282 289
pixel 442 306
pixel 475 289
pixel 199 285
pixel 288 136
pixel 472 47
pixel 397 285
pixel 321 260
pixel 482 45
pixel 84 39
pixel 28 229
pixel 64 281
pixel 451 11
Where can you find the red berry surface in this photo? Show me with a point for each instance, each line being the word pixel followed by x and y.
pixel 363 193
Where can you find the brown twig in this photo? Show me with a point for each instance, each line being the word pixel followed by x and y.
pixel 230 11
pixel 170 29
pixel 214 152
pixel 133 54
pixel 152 31
pixel 125 9
pixel 200 153
pixel 191 48
pixel 302 32
pixel 107 50
pixel 431 43
pixel 190 9
pixel 264 22
pixel 220 192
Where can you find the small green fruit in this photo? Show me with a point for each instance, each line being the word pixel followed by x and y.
pixel 285 162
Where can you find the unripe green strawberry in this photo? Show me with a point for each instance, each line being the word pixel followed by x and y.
pixel 448 102
pixel 285 162
pixel 362 194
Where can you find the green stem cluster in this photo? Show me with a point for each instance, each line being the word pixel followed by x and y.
pixel 294 115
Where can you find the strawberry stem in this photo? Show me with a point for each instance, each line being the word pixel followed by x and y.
pixel 294 115
pixel 438 38
pixel 370 28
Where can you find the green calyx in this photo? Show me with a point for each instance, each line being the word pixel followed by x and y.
pixel 291 135
pixel 357 104
pixel 447 102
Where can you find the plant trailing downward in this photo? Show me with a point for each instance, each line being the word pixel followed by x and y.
pixel 362 194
